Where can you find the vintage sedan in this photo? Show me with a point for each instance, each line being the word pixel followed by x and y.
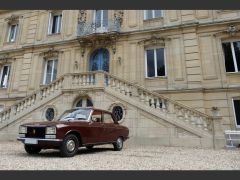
pixel 75 128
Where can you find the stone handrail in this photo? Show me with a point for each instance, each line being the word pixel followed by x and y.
pixel 157 101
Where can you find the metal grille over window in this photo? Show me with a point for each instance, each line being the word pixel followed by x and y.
pixel 50 114
pixel 117 112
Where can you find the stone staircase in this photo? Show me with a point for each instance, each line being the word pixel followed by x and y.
pixel 178 114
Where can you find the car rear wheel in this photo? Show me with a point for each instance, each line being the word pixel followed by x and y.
pixel 118 145
pixel 69 146
pixel 89 147
pixel 32 149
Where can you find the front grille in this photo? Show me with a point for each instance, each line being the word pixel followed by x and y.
pixel 35 132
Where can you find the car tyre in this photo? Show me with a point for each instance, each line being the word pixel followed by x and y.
pixel 118 145
pixel 69 146
pixel 32 149
pixel 89 147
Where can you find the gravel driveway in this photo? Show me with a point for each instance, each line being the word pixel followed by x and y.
pixel 13 157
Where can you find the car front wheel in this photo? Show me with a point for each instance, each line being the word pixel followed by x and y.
pixel 32 149
pixel 69 146
pixel 118 145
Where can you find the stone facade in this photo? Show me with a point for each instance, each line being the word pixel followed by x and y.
pixel 195 72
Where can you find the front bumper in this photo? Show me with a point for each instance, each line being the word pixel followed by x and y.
pixel 41 142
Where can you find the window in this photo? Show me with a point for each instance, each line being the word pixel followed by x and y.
pixel 12 32
pixel 236 107
pixel 150 14
pixel 155 62
pixel 50 71
pixel 55 23
pixel 5 72
pixel 107 118
pixel 1 108
pixel 84 102
pixel 97 116
pixel 101 20
pixel 232 56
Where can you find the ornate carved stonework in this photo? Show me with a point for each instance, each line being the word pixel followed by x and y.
pixel 231 30
pixel 50 53
pixel 118 16
pixel 82 16
pixel 98 41
pixel 154 40
pixel 5 58
pixel 13 19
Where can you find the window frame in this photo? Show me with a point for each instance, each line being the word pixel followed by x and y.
pixel 45 70
pixel 155 63
pixel 233 55
pixel 153 14
pixel 235 118
pixel 8 77
pixel 15 32
pixel 50 22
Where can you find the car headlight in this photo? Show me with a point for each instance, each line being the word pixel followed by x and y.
pixel 51 130
pixel 22 130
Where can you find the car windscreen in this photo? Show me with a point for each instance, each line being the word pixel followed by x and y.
pixel 75 115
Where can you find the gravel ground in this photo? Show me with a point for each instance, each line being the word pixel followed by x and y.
pixel 13 157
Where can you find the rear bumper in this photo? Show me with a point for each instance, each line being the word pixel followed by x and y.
pixel 42 142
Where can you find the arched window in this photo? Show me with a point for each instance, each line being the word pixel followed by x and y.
pixel 84 102
pixel 99 60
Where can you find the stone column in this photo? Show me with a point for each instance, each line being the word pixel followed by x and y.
pixel 218 135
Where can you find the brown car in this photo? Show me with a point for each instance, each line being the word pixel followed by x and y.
pixel 75 128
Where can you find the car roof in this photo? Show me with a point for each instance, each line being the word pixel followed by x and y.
pixel 96 109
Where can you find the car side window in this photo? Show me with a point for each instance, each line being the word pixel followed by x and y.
pixel 107 118
pixel 97 116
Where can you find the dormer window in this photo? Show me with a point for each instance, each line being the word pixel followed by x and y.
pixel 55 23
pixel 12 32
pixel 151 14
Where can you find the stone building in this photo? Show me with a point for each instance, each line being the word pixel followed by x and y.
pixel 171 76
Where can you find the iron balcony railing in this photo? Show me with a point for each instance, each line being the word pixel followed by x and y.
pixel 104 26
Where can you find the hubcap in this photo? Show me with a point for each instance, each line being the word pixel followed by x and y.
pixel 70 145
pixel 119 143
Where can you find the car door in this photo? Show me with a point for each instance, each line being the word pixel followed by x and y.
pixel 96 128
pixel 109 133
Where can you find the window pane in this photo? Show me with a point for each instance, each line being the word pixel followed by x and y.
pixel 158 13
pixel 228 57
pixel 160 62
pixel 237 111
pixel 5 75
pixel 105 18
pixel 237 53
pixel 79 104
pixel 98 18
pixel 89 103
pixel 12 33
pixel 148 14
pixel 49 72
pixel 55 69
pixel 150 63
pixel 54 24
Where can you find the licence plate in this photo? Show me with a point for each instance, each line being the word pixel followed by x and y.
pixel 31 141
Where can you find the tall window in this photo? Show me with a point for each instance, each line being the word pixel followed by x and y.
pixel 101 20
pixel 155 62
pixel 50 72
pixel 5 72
pixel 150 14
pixel 232 56
pixel 55 23
pixel 12 33
pixel 236 106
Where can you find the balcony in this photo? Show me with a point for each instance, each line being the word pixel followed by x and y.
pixel 106 27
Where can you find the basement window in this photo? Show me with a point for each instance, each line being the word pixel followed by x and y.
pixel 5 72
pixel 236 108
pixel 232 56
